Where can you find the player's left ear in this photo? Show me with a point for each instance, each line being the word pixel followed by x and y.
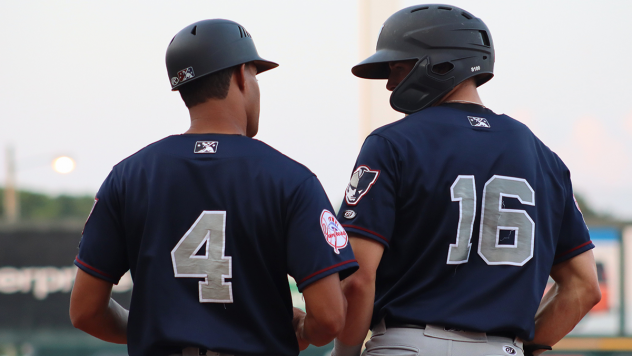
pixel 239 75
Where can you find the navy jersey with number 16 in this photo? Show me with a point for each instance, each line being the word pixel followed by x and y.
pixel 473 210
pixel 210 226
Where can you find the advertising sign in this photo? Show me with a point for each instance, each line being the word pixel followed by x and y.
pixel 36 277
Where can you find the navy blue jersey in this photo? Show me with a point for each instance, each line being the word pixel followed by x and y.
pixel 473 210
pixel 210 226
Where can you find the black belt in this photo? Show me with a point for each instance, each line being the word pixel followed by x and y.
pixel 394 324
pixel 202 352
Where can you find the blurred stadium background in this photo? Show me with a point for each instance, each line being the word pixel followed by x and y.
pixel 43 214
pixel 36 277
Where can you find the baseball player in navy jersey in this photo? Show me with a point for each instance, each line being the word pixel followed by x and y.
pixel 457 215
pixel 210 223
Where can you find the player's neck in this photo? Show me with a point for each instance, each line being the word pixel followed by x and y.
pixel 465 92
pixel 225 116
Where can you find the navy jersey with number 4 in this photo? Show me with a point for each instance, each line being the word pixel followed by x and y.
pixel 210 226
pixel 473 210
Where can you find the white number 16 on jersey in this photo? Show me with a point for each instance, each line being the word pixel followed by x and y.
pixel 496 221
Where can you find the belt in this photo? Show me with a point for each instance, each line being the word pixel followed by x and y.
pixel 394 324
pixel 194 351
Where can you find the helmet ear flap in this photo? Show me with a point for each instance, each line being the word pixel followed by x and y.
pixel 419 89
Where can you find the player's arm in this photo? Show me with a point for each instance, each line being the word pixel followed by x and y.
pixel 359 289
pixel 325 308
pixel 94 311
pixel 575 292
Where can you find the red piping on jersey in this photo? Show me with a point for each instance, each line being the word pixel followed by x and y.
pixel 325 270
pixel 366 230
pixel 92 268
pixel 573 249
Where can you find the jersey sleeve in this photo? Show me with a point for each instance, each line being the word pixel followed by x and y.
pixel 369 204
pixel 102 251
pixel 317 245
pixel 574 238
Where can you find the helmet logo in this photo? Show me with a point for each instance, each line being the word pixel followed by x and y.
pixel 182 76
pixel 476 69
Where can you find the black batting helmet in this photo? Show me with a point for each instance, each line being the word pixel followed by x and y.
pixel 209 46
pixel 449 44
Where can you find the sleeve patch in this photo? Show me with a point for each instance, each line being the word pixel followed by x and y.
pixel 335 234
pixel 361 181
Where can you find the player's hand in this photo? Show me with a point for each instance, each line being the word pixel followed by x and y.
pixel 298 322
pixel 535 349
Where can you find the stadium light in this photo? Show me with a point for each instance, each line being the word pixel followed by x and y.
pixel 63 164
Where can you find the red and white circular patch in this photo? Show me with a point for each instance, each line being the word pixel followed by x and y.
pixel 335 235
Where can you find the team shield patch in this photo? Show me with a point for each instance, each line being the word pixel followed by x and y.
pixel 361 181
pixel 205 147
pixel 479 122
pixel 335 235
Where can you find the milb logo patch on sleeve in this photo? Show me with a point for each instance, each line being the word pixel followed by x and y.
pixel 361 181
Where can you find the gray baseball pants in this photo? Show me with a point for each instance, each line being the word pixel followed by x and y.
pixel 437 341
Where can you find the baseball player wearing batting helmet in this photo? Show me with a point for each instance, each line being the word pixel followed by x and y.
pixel 457 215
pixel 210 223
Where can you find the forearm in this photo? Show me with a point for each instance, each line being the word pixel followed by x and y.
pixel 560 311
pixel 360 297
pixel 117 320
pixel 575 292
pixel 359 289
pixel 325 308
pixel 317 334
pixel 108 325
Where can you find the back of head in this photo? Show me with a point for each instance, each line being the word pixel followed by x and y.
pixel 449 44
pixel 208 47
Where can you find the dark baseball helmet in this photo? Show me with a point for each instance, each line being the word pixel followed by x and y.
pixel 449 44
pixel 209 46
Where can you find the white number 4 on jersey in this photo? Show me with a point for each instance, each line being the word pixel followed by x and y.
pixel 208 233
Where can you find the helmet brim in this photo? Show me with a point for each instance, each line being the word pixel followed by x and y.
pixel 264 65
pixel 376 66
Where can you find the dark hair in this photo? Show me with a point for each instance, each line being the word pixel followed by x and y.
pixel 212 86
